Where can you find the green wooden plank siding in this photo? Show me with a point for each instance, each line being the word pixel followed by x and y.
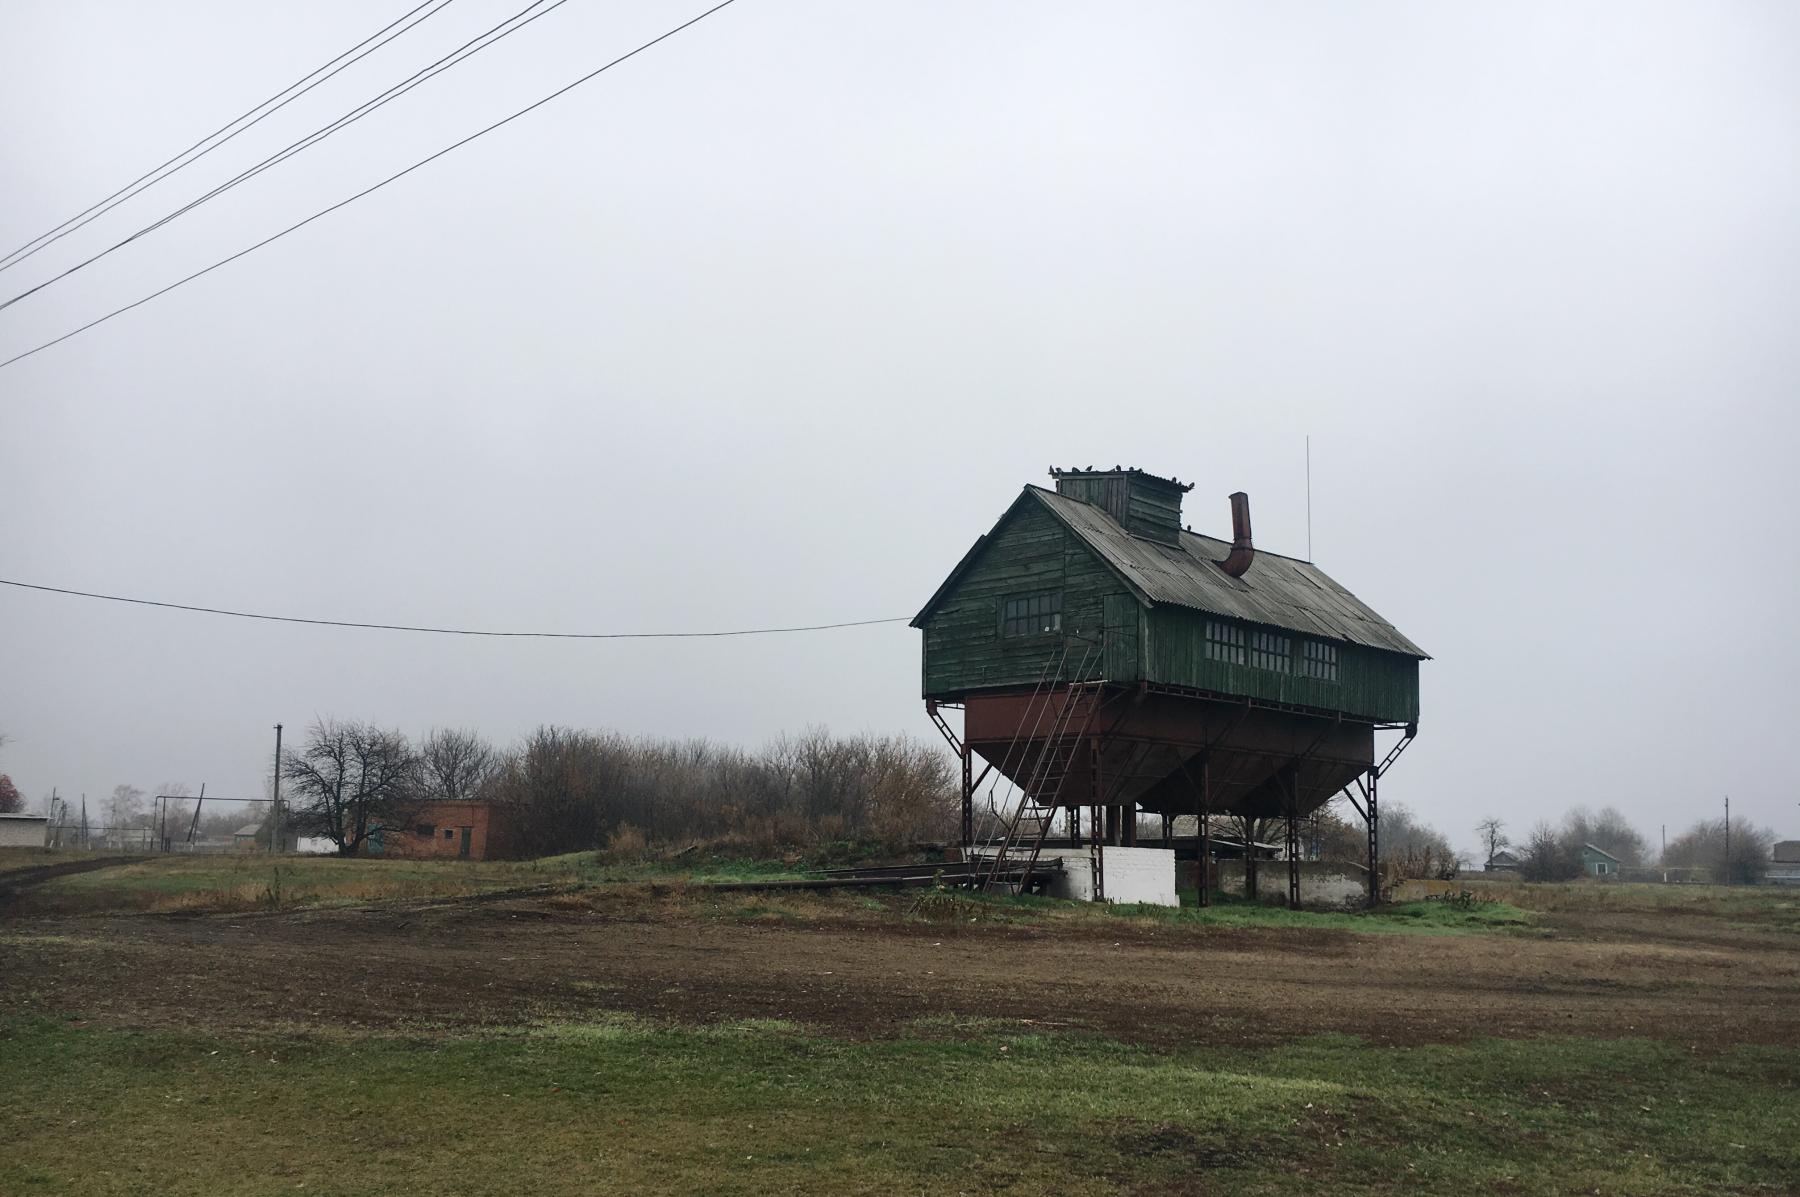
pixel 1371 683
pixel 1124 637
pixel 1143 506
pixel 1032 552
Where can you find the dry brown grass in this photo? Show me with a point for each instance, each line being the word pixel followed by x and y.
pixel 1614 896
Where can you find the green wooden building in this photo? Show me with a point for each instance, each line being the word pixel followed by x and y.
pixel 1107 657
pixel 1598 862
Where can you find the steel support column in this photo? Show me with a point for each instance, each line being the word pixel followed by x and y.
pixel 968 803
pixel 1098 851
pixel 1374 819
pixel 1203 870
pixel 1293 839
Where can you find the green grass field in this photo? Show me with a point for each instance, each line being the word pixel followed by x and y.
pixel 105 1098
pixel 218 884
pixel 628 1107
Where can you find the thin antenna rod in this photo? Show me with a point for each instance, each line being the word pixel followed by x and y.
pixel 1309 555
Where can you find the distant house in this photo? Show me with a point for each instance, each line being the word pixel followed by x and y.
pixel 1502 861
pixel 1598 862
pixel 244 838
pixel 23 831
pixel 466 830
pixel 1784 864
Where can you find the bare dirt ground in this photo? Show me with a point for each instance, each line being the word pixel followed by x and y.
pixel 860 973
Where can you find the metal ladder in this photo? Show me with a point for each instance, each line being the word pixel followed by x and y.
pixel 1022 839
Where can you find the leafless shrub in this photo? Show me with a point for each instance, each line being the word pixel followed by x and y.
pixel 1703 846
pixel 570 790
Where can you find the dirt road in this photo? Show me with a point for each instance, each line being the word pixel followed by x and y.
pixel 861 973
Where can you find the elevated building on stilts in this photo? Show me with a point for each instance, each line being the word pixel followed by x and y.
pixel 1108 661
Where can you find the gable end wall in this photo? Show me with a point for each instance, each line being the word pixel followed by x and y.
pixel 1031 552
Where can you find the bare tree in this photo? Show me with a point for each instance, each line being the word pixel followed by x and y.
pixel 1608 831
pixel 126 807
pixel 1703 845
pixel 348 780
pixel 1547 856
pixel 455 765
pixel 1412 848
pixel 1492 831
pixel 1249 830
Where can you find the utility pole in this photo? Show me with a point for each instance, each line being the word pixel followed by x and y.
pixel 1728 839
pixel 194 826
pixel 275 801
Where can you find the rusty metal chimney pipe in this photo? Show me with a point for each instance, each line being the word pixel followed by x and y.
pixel 1242 551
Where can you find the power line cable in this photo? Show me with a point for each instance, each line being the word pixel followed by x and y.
pixel 429 71
pixel 401 627
pixel 88 215
pixel 455 145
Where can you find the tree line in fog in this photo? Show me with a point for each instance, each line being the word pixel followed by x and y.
pixel 565 789
pixel 1551 851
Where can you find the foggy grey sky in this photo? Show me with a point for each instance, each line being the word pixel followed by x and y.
pixel 768 324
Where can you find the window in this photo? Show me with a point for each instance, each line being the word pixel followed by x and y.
pixel 1270 651
pixel 1318 660
pixel 1031 614
pixel 1224 642
pixel 449 834
pixel 425 829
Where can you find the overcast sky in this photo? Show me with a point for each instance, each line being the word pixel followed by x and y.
pixel 768 324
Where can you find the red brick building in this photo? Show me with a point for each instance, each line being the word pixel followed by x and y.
pixel 470 830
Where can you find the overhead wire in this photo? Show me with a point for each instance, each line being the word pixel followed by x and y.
pixel 89 215
pixel 431 70
pixel 401 627
pixel 371 189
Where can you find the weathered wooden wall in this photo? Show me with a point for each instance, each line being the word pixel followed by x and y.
pixel 1370 683
pixel 1033 551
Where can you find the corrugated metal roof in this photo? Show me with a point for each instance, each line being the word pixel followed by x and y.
pixel 1275 590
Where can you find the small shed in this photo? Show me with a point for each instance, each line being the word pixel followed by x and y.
pixel 1598 862
pixel 244 838
pixel 1502 861
pixel 23 831
pixel 1784 864
pixel 457 830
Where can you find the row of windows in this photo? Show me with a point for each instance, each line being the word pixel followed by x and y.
pixel 1032 614
pixel 1270 650
pixel 1035 614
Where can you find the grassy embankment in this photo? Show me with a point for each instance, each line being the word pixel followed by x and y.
pixel 199 884
pixel 202 884
pixel 247 882
pixel 625 1106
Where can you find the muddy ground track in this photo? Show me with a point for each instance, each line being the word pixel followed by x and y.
pixel 431 967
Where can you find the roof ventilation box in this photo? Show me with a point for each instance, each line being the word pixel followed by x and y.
pixel 1144 504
